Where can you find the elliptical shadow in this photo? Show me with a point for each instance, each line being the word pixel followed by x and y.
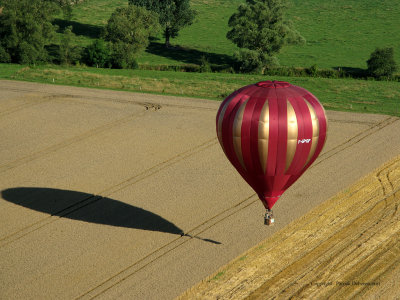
pixel 91 208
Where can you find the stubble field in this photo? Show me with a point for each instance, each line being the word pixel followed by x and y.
pixel 108 194
pixel 347 247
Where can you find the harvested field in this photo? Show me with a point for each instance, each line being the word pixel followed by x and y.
pixel 118 195
pixel 347 247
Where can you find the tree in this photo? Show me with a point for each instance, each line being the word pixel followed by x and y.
pixel 131 25
pixel 381 62
pixel 173 15
pixel 129 29
pixel 260 26
pixel 122 56
pixel 25 28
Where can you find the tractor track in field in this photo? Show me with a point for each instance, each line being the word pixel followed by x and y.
pixel 356 139
pixel 131 270
pixel 371 124
pixel 157 253
pixel 165 249
pixel 25 105
pixel 318 261
pixel 148 106
pixel 155 106
pixel 106 192
pixel 348 246
pixel 194 232
pixel 54 148
pixel 127 182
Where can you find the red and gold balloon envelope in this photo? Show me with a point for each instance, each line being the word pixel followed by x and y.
pixel 271 132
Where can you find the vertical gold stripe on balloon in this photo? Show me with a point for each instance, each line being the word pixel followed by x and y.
pixel 237 133
pixel 292 134
pixel 315 127
pixel 263 135
pixel 220 119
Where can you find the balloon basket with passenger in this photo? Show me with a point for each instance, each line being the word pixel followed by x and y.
pixel 269 218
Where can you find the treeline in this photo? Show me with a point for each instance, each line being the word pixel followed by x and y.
pixel 312 71
pixel 27 31
pixel 259 28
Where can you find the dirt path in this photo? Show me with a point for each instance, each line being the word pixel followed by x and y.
pixel 108 194
pixel 347 247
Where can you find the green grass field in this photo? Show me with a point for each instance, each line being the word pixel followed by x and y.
pixel 335 94
pixel 339 33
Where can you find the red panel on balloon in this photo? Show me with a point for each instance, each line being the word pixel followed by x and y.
pixel 271 132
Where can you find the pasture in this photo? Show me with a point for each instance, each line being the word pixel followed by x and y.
pixel 339 33
pixel 335 94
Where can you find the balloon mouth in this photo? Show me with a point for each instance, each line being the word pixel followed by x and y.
pixel 269 201
pixel 273 84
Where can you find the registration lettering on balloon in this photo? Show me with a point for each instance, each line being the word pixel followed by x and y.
pixel 271 132
pixel 303 141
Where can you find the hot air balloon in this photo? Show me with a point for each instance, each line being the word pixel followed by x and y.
pixel 271 132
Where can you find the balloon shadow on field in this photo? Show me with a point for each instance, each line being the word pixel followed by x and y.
pixel 91 208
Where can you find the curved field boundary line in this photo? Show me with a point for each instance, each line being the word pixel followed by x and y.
pixel 118 100
pixel 348 246
pixel 136 102
pixel 94 131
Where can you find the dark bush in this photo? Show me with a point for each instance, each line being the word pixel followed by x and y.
pixel 122 56
pixel 313 70
pixel 176 68
pixel 248 61
pixel 97 54
pixel 222 69
pixel 329 73
pixel 381 62
pixel 4 56
pixel 205 66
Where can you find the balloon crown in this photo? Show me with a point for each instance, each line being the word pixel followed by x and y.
pixel 273 84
